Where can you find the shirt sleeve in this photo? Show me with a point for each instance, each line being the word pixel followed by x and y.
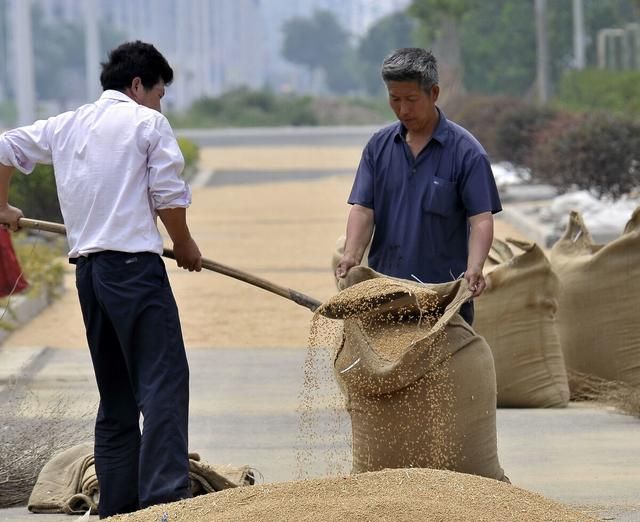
pixel 25 147
pixel 167 189
pixel 362 191
pixel 478 186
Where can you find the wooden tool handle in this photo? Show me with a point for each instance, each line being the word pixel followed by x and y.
pixel 293 295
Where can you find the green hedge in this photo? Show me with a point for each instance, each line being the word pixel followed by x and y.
pixel 243 107
pixel 599 89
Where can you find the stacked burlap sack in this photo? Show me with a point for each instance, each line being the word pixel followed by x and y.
pixel 419 382
pixel 68 482
pixel 599 300
pixel 516 314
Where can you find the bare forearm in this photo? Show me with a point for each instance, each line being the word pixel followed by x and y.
pixel 9 215
pixel 5 179
pixel 359 231
pixel 186 251
pixel 480 240
pixel 175 221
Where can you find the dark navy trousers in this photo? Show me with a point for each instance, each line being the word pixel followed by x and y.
pixel 467 312
pixel 140 364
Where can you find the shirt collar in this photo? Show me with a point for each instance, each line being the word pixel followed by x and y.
pixel 440 134
pixel 112 94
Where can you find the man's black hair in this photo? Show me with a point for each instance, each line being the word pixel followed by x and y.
pixel 135 59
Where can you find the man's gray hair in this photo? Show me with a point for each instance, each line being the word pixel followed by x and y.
pixel 411 64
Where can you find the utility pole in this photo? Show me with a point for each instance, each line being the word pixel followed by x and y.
pixel 542 77
pixel 92 53
pixel 578 35
pixel 23 55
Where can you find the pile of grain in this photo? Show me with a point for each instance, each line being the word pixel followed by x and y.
pixel 404 495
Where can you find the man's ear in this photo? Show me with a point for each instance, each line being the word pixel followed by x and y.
pixel 136 84
pixel 435 91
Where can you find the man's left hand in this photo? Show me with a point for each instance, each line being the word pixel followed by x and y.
pixel 476 281
pixel 9 216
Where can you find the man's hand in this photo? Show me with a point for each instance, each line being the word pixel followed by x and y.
pixel 475 279
pixel 9 216
pixel 346 263
pixel 359 232
pixel 188 255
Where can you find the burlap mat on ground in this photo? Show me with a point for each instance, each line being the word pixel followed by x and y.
pixel 598 307
pixel 516 314
pixel 419 383
pixel 68 482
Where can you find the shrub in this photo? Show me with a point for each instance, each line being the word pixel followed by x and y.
pixel 191 154
pixel 599 89
pixel 243 107
pixel 597 152
pixel 36 194
pixel 41 263
pixel 479 115
pixel 515 130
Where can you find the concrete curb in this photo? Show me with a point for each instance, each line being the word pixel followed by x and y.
pixel 24 307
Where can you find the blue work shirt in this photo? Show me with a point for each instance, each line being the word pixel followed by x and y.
pixel 421 205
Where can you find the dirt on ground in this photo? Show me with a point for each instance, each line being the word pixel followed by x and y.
pixel 284 232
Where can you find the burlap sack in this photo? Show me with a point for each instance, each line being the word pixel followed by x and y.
pixel 68 482
pixel 598 307
pixel 516 315
pixel 420 390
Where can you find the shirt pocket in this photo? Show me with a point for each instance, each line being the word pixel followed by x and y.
pixel 441 197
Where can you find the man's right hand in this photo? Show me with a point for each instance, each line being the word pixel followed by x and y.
pixel 9 216
pixel 346 263
pixel 188 255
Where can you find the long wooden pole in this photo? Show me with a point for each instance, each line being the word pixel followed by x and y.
pixel 293 295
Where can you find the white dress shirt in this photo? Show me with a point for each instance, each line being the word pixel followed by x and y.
pixel 116 163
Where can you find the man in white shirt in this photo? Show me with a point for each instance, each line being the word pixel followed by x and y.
pixel 117 166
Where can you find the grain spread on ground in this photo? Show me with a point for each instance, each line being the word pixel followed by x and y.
pixel 402 495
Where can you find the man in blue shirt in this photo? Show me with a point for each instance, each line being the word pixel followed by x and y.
pixel 424 188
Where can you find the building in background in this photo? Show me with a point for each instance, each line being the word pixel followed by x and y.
pixel 213 45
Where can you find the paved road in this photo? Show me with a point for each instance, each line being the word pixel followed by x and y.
pixel 281 136
pixel 243 411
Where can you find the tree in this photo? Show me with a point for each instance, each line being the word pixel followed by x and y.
pixel 499 48
pixel 441 21
pixel 388 33
pixel 496 39
pixel 320 42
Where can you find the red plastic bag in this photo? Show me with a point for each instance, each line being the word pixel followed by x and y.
pixel 10 272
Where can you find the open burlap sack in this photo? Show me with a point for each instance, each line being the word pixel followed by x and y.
pixel 516 315
pixel 598 307
pixel 419 383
